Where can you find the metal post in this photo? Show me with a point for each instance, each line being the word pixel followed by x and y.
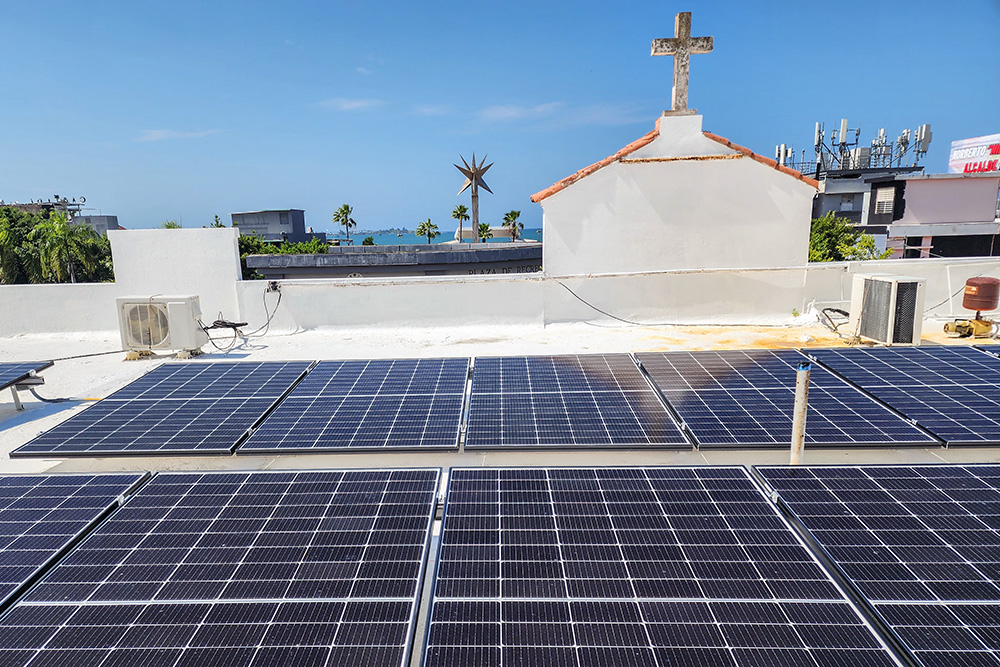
pixel 17 400
pixel 799 412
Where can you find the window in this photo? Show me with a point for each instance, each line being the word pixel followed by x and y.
pixel 884 198
pixel 283 217
pixel 846 202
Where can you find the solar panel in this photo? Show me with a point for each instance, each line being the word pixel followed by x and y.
pixel 13 372
pixel 194 408
pixel 631 566
pixel 954 392
pixel 921 543
pixel 566 401
pixel 42 515
pixel 745 398
pixel 367 405
pixel 262 568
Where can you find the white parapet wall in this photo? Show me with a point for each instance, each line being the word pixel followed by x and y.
pixel 205 262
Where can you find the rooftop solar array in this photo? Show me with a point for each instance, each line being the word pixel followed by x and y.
pixel 954 392
pixel 14 372
pixel 567 401
pixel 624 567
pixel 41 515
pixel 921 543
pixel 745 398
pixel 264 568
pixel 363 405
pixel 201 408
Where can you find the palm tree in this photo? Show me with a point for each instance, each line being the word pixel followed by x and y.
pixel 484 232
pixel 342 217
pixel 461 213
pixel 60 245
pixel 510 220
pixel 8 254
pixel 428 229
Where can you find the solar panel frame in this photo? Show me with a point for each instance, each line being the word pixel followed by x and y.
pixel 567 402
pixel 13 372
pixel 368 405
pixel 890 542
pixel 12 588
pixel 471 631
pixel 943 389
pixel 743 399
pixel 193 416
pixel 248 626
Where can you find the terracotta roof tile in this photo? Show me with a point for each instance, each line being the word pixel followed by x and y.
pixel 647 139
pixel 763 160
pixel 587 171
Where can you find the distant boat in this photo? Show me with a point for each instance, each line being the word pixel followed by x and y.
pixel 398 234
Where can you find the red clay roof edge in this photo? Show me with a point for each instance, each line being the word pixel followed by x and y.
pixel 763 160
pixel 587 171
pixel 647 139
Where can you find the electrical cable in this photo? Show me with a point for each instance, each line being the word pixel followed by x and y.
pixel 32 391
pixel 614 317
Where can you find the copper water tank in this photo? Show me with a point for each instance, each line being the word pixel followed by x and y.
pixel 981 294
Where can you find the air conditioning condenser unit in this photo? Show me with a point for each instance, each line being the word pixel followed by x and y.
pixel 161 323
pixel 887 309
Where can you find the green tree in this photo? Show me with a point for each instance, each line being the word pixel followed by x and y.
pixel 461 213
pixel 836 239
pixel 484 232
pixel 313 246
pixel 61 246
pixel 342 217
pixel 170 224
pixel 369 240
pixel 9 261
pixel 428 229
pixel 511 222
pixel 217 222
pixel 251 244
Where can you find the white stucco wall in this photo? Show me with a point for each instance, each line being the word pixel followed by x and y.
pixel 682 214
pixel 204 262
pixel 763 296
pixel 950 198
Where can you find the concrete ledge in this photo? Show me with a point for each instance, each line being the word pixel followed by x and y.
pixel 401 256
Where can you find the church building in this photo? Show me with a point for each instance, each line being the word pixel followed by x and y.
pixel 677 198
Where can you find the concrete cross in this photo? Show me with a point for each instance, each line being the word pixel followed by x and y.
pixel 681 47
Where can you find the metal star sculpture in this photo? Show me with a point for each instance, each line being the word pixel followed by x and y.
pixel 474 179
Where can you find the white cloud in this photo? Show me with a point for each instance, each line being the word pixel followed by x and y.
pixel 161 135
pixel 509 112
pixel 431 110
pixel 363 70
pixel 345 104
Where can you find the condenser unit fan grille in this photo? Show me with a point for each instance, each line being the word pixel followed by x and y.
pixel 147 324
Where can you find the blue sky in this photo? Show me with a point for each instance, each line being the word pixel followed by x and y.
pixel 183 110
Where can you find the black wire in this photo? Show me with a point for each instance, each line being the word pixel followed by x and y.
pixel 614 317
pixel 83 356
pixel 51 400
pixel 270 315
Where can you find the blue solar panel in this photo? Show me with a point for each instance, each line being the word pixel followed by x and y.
pixel 367 405
pixel 214 380
pixel 745 398
pixel 954 392
pixel 14 372
pixel 193 408
pixel 263 568
pixel 631 566
pixel 566 401
pixel 921 543
pixel 41 515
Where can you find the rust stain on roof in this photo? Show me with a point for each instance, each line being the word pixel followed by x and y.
pixel 645 141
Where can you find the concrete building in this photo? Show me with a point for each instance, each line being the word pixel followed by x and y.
pixel 678 198
pixel 276 225
pixel 438 259
pixel 870 198
pixel 100 223
pixel 947 215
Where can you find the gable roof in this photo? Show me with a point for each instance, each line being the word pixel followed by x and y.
pixel 645 141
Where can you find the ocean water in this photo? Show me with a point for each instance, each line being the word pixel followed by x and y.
pixel 413 239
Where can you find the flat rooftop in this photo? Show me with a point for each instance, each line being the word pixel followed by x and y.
pixel 80 377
